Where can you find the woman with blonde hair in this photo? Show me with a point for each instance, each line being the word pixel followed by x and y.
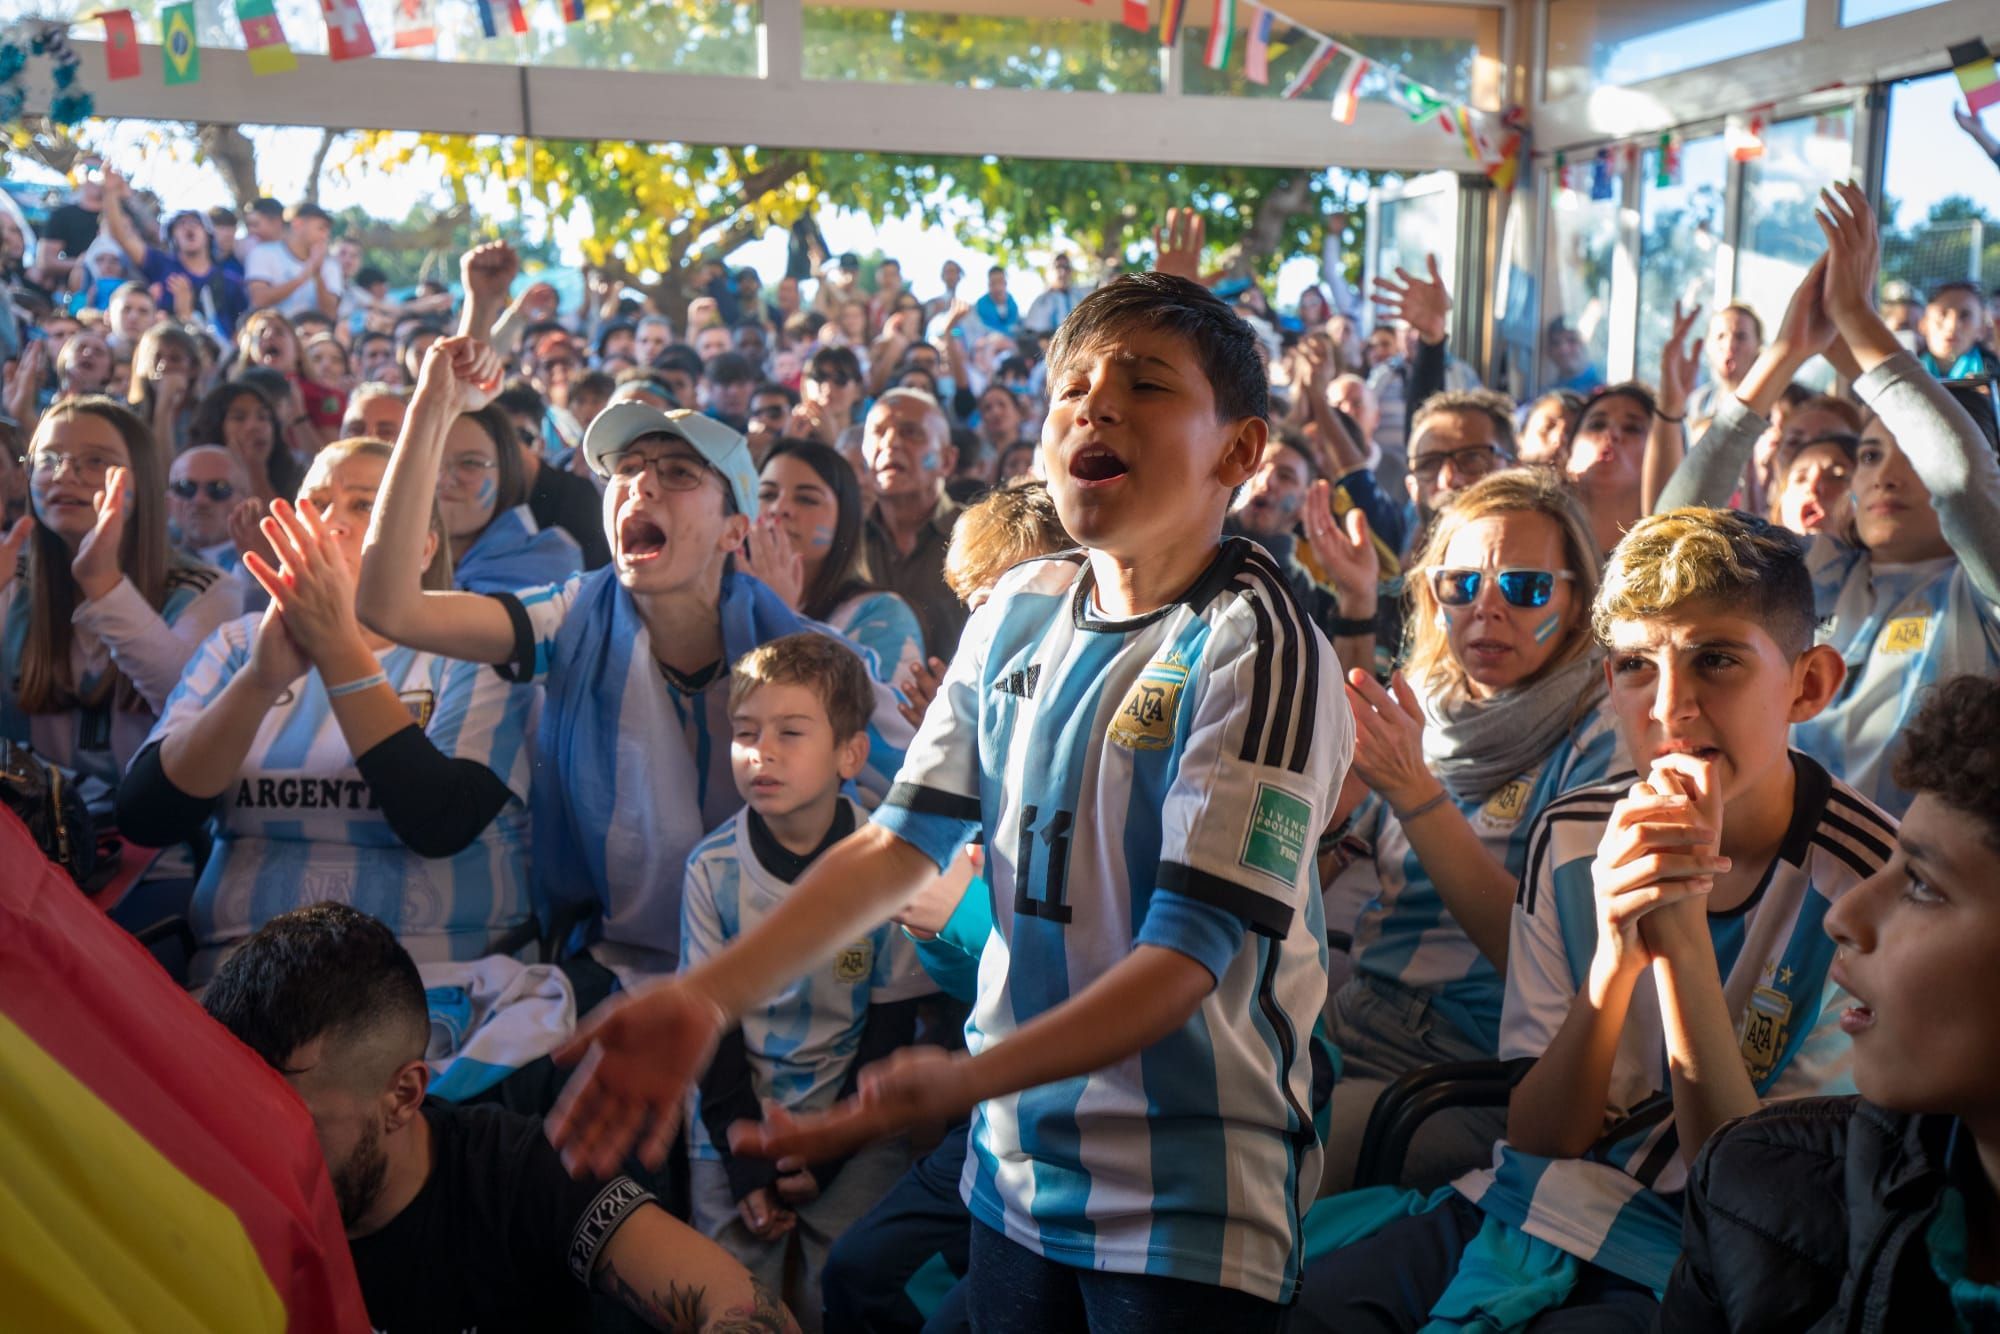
pixel 332 763
pixel 1502 711
pixel 98 614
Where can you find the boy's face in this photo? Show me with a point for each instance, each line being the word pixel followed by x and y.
pixel 1272 500
pixel 1917 943
pixel 1952 323
pixel 1893 515
pixel 783 752
pixel 1732 345
pixel 1610 444
pixel 1709 681
pixel 1812 495
pixel 1135 456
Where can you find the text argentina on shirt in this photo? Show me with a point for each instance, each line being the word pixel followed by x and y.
pixel 310 794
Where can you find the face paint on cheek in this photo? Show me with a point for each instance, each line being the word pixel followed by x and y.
pixel 1288 504
pixel 932 461
pixel 487 489
pixel 822 536
pixel 1546 630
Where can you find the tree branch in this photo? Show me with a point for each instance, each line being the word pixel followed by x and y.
pixel 433 235
pixel 326 137
pixel 234 155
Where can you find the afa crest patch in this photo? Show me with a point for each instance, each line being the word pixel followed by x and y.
pixel 1506 806
pixel 1764 1021
pixel 421 704
pixel 1906 634
pixel 1145 720
pixel 854 963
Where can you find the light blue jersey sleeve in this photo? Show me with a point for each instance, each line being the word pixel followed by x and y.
pixel 952 956
pixel 546 607
pixel 934 805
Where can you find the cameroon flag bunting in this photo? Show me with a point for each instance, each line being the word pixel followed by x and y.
pixel 159 1175
pixel 269 52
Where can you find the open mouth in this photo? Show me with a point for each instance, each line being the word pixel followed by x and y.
pixel 1094 465
pixel 1810 514
pixel 640 539
pixel 1690 748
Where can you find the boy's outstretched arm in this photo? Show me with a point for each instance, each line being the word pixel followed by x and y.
pixel 640 1055
pixel 1138 1001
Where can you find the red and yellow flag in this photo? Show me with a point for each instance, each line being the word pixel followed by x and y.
pixel 159 1175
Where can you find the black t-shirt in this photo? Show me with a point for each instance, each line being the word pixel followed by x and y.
pixel 500 1238
pixel 73 225
pixel 560 499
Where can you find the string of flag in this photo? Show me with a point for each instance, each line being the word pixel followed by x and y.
pixel 347 34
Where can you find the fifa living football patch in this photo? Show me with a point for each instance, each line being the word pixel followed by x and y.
pixel 1280 828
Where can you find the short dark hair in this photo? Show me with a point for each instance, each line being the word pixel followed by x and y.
pixel 266 207
pixel 521 399
pixel 306 210
pixel 325 970
pixel 828 360
pixel 410 328
pixel 612 330
pixel 594 382
pixel 1966 286
pixel 1709 555
pixel 679 357
pixel 372 336
pixel 1948 750
pixel 728 368
pixel 1231 357
pixel 784 391
pixel 370 275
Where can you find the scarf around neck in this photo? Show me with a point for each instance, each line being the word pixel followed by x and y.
pixel 1476 745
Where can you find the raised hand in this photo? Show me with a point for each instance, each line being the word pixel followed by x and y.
pixel 1346 554
pixel 1968 120
pixel 1853 250
pixel 1806 329
pixel 25 383
pixel 769 555
pixel 1179 244
pixel 461 371
pixel 955 315
pixel 246 530
pixel 313 585
pixel 635 1058
pixel 1389 741
pixel 920 686
pixel 95 566
pixel 10 548
pixel 488 271
pixel 1422 303
pixel 1679 365
pixel 275 657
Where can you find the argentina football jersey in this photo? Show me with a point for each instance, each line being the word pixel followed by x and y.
pixel 1619 1205
pixel 1155 781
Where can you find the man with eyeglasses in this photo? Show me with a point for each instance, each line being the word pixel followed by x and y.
pixel 907 450
pixel 1457 437
pixel 204 487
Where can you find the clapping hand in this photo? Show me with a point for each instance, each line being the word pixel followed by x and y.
pixel 1389 741
pixel 769 555
pixel 920 686
pixel 1179 244
pixel 1853 250
pixel 1679 365
pixel 1345 553
pixel 1421 303
pixel 313 585
pixel 10 548
pixel 96 565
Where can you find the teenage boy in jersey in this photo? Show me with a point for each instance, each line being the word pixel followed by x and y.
pixel 799 731
pixel 632 754
pixel 459 1218
pixel 1836 1213
pixel 1149 734
pixel 1667 965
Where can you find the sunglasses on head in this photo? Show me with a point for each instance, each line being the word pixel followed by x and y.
pixel 188 490
pixel 1519 587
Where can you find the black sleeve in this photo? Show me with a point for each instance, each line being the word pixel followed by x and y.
pixel 964 404
pixel 554 1223
pixel 729 1095
pixel 151 811
pixel 1426 376
pixel 436 804
pixel 521 666
pixel 889 1025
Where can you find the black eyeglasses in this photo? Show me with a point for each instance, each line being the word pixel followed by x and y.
pixel 1472 461
pixel 1456 587
pixel 217 491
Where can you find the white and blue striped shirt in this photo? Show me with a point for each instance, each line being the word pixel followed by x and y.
pixel 1408 936
pixel 298 824
pixel 1619 1206
pixel 1161 781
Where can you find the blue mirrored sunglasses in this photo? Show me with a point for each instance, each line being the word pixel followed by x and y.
pixel 1520 587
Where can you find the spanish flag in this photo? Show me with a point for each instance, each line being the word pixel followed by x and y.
pixel 159 1175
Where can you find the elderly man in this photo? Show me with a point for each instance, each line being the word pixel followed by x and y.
pixel 907 451
pixel 204 487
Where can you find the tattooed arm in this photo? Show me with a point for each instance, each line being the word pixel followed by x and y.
pixel 678 1280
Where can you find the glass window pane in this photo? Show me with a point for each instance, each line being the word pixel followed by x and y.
pixel 1680 231
pixel 1409 226
pixel 1596 42
pixel 1867 11
pixel 1453 50
pixel 1582 234
pixel 1088 52
pixel 1780 240
pixel 1940 198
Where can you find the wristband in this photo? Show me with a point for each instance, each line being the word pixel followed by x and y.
pixel 1425 809
pixel 357 686
pixel 1350 627
pixel 1675 420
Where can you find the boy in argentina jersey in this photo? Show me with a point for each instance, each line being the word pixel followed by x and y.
pixel 1915 598
pixel 1667 966
pixel 1149 734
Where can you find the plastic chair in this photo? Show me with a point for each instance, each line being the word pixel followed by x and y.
pixel 1406 1104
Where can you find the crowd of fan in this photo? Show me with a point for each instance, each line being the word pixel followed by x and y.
pixel 429 635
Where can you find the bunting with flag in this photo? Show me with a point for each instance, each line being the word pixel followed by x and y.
pixel 572 11
pixel 1170 21
pixel 181 55
pixel 263 39
pixel 1743 136
pixel 1322 56
pixel 1669 167
pixel 347 35
pixel 1221 35
pixel 121 44
pixel 1977 78
pixel 159 1174
pixel 1468 133
pixel 1424 104
pixel 1135 16
pixel 489 21
pixel 1257 51
pixel 416 24
pixel 1347 93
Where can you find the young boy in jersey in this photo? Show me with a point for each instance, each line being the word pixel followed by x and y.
pixel 1667 969
pixel 799 711
pixel 1148 734
pixel 1833 1213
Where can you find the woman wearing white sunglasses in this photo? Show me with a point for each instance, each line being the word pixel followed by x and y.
pixel 1502 712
